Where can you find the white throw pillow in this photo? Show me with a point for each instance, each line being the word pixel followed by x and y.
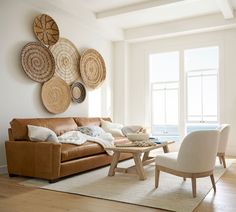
pixel 113 128
pixel 37 133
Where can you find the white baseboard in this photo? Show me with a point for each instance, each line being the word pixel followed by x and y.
pixel 3 169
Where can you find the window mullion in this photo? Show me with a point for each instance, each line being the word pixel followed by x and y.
pixel 165 103
pixel 202 97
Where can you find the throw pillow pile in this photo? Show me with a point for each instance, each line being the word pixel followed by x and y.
pixel 113 128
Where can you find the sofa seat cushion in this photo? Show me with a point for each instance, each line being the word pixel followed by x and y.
pixel 72 151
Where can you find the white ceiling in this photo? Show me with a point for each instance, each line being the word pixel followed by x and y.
pixel 136 20
pixel 127 14
pixel 103 5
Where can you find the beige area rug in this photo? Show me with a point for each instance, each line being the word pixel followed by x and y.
pixel 172 194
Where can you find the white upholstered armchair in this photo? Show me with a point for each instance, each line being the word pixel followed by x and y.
pixel 224 134
pixel 195 159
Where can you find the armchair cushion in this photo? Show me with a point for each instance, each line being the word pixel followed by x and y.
pixel 224 134
pixel 167 160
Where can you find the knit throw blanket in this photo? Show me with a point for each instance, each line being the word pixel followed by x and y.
pixel 78 138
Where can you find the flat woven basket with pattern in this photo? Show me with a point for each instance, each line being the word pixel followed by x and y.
pixel 55 95
pixel 92 68
pixel 37 62
pixel 46 29
pixel 67 60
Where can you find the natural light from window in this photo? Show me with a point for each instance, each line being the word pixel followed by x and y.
pixel 94 98
pixel 201 67
pixel 164 80
pixel 198 78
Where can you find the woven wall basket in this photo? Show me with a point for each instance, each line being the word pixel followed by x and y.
pixel 67 60
pixel 78 92
pixel 56 95
pixel 37 62
pixel 46 29
pixel 92 68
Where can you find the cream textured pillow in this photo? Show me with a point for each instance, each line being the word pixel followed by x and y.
pixel 113 128
pixel 37 133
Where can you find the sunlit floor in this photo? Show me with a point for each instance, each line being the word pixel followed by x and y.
pixel 16 197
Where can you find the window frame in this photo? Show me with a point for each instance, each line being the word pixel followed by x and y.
pixel 165 88
pixel 164 133
pixel 201 75
pixel 182 82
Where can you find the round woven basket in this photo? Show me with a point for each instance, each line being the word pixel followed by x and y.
pixel 46 29
pixel 56 95
pixel 78 92
pixel 67 60
pixel 37 62
pixel 92 68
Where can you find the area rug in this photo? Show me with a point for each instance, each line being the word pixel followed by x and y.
pixel 173 193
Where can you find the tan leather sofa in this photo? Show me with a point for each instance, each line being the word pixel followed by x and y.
pixel 49 160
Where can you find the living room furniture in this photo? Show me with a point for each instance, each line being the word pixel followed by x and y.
pixel 224 134
pixel 195 159
pixel 136 153
pixel 52 161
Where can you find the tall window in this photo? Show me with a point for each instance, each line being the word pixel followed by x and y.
pixel 201 88
pixel 164 79
pixel 94 98
pixel 201 66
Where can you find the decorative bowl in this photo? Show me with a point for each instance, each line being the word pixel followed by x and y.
pixel 138 136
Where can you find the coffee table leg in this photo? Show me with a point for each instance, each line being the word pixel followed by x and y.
pixel 139 166
pixel 145 156
pixel 166 149
pixel 115 159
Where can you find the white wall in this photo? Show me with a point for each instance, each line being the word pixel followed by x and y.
pixel 20 96
pixel 121 57
pixel 137 90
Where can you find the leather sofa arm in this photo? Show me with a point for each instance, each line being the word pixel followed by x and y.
pixel 34 159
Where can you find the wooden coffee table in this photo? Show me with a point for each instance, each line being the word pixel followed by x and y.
pixel 138 159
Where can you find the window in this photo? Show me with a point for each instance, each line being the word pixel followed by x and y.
pixel 164 80
pixel 201 67
pixel 94 98
pixel 201 88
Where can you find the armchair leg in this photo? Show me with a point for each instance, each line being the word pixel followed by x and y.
pixel 213 182
pixel 157 174
pixel 194 186
pixel 220 159
pixel 223 160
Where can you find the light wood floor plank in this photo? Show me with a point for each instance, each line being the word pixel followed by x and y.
pixel 16 197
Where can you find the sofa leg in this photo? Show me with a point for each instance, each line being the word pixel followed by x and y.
pixel 53 181
pixel 12 175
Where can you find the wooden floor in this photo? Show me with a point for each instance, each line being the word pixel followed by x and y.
pixel 17 198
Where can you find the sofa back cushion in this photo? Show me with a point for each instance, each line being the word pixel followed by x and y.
pixel 58 125
pixel 85 121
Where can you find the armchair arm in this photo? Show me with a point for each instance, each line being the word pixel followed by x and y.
pixel 34 159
